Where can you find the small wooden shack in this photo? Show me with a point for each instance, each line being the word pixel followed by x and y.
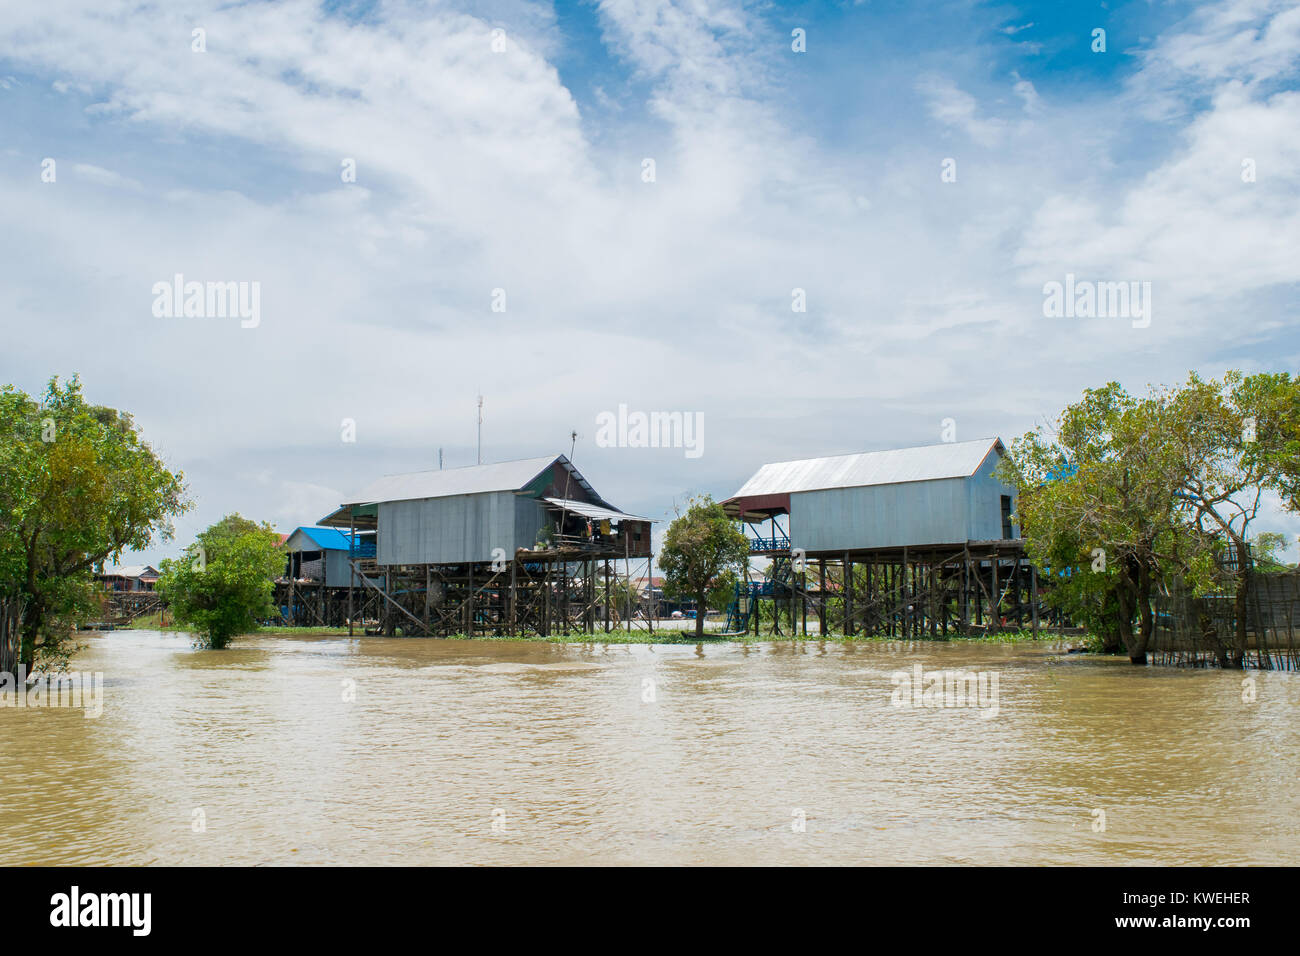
pixel 129 577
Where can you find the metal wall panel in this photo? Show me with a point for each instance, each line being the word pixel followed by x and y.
pixel 985 506
pixel 530 515
pixel 944 511
pixel 447 530
pixel 338 573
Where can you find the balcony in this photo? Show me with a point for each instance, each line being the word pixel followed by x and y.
pixel 778 542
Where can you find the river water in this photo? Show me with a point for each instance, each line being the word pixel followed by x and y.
pixel 302 750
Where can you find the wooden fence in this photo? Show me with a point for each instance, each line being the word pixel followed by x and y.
pixel 1201 631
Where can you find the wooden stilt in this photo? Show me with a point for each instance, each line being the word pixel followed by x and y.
pixel 848 594
pixel 1033 597
pixel 821 596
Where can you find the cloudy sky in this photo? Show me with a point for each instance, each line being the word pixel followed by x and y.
pixel 504 146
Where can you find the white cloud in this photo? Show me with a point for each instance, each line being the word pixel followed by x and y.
pixel 1027 93
pixel 105 177
pixel 479 170
pixel 957 109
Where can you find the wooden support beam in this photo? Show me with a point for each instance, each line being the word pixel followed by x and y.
pixel 1033 597
pixel 848 594
pixel 821 596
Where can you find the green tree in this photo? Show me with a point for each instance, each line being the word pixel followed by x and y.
pixel 1267 548
pixel 223 584
pixel 699 547
pixel 723 590
pixel 1133 493
pixel 1232 441
pixel 1096 496
pixel 78 485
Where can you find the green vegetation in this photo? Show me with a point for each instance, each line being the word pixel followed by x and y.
pixel 667 636
pixel 1131 494
pixel 699 548
pixel 838 637
pixel 723 590
pixel 78 486
pixel 640 636
pixel 223 584
pixel 154 622
pixel 151 622
pixel 619 594
pixel 661 635
pixel 1266 546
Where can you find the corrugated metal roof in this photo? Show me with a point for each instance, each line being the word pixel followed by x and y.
pixel 131 571
pixel 924 463
pixel 594 511
pixel 441 483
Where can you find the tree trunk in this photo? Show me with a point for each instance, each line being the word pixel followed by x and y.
pixel 700 608
pixel 1240 603
pixel 11 614
pixel 1128 595
pixel 1146 617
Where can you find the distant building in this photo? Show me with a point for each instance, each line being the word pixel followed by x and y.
pixel 129 577
pixel 648 587
pixel 319 555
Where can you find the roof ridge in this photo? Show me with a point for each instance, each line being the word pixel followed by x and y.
pixel 882 451
pixel 485 464
pixel 884 466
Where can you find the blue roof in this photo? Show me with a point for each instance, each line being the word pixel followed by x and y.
pixel 328 539
pixel 1067 470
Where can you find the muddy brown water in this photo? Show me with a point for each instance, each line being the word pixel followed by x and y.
pixel 314 750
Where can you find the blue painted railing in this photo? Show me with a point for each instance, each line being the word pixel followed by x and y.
pixel 775 543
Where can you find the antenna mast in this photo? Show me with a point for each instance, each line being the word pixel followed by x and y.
pixel 573 442
pixel 480 429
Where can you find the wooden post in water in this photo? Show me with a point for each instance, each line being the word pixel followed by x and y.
pixel 511 610
pixel 650 590
pixel 803 599
pixel 848 595
pixel 428 599
pixel 965 589
pixel 469 603
pixel 909 588
pixel 1033 597
pixel 821 596
pixel 386 627
pixel 936 612
pixel 995 597
pixel 627 573
pixel 589 598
